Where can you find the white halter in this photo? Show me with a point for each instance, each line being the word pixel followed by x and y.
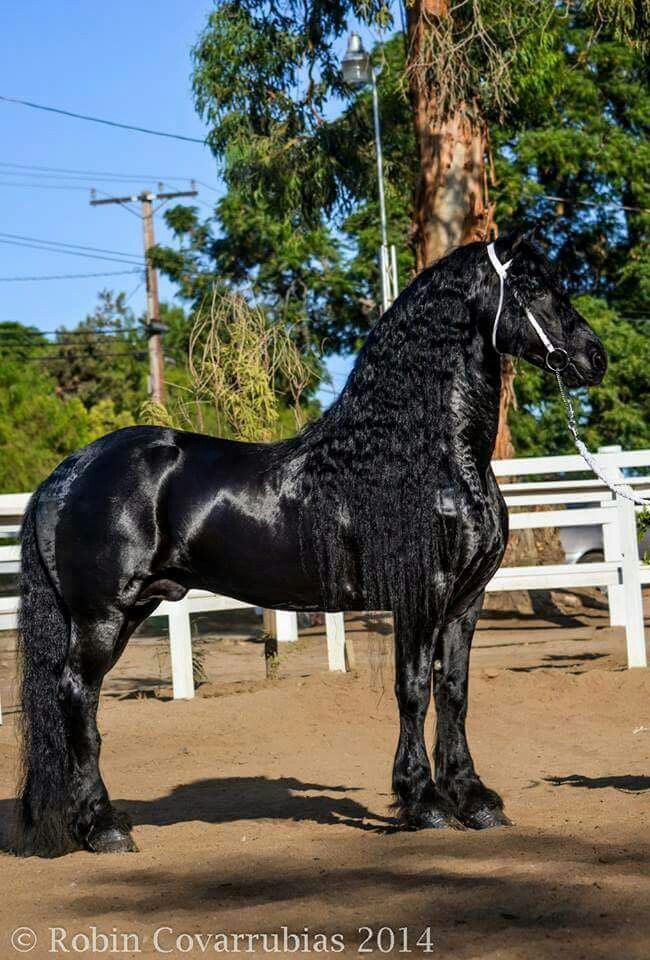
pixel 615 485
pixel 558 352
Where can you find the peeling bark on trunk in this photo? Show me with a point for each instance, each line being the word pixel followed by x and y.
pixel 451 204
pixel 450 207
pixel 503 448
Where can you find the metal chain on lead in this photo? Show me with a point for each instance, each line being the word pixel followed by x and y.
pixel 621 489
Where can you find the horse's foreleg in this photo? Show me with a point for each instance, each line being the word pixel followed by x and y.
pixel 473 803
pixel 419 803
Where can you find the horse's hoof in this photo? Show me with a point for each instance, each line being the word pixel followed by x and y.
pixel 431 820
pixel 484 818
pixel 112 841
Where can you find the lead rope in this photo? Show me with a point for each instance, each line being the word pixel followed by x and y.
pixel 616 486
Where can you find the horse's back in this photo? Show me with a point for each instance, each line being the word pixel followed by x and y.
pixel 147 502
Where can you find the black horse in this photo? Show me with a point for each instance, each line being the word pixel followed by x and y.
pixel 387 502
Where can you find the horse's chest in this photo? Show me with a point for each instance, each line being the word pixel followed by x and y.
pixel 484 524
pixel 480 530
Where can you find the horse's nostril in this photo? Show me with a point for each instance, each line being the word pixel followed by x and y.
pixel 598 359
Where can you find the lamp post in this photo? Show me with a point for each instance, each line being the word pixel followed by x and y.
pixel 358 72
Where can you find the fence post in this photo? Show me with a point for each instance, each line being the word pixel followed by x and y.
pixel 612 550
pixel 634 627
pixel 286 626
pixel 180 645
pixel 335 631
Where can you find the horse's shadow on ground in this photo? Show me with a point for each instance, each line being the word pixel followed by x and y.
pixel 628 783
pixel 559 661
pixel 228 799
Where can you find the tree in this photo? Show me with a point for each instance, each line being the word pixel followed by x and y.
pixel 241 370
pixel 58 393
pixel 103 357
pixel 298 229
pixel 38 428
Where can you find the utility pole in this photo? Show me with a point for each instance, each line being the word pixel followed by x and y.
pixel 155 328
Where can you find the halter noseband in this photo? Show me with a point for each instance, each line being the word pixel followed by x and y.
pixel 557 359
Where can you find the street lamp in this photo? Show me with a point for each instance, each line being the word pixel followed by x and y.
pixel 358 72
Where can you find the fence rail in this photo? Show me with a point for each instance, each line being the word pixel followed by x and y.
pixel 590 503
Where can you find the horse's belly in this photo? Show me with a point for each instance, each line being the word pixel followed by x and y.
pixel 251 551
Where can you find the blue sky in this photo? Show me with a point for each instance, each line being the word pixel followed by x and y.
pixel 125 61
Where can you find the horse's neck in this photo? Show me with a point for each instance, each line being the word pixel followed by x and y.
pixel 459 397
pixel 428 378
pixel 473 404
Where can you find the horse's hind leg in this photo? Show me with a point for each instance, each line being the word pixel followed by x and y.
pixel 419 803
pixel 94 648
pixel 473 803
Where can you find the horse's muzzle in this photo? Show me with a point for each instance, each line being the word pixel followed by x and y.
pixel 588 367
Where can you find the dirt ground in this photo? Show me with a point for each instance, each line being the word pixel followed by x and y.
pixel 263 807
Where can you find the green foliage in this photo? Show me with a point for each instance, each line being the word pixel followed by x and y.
pixel 104 356
pixel 629 19
pixel 38 428
pixel 584 137
pixel 58 394
pixel 298 227
pixel 264 73
pixel 242 369
pixel 18 342
pixel 487 52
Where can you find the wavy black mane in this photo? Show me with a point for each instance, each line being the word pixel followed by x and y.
pixel 377 466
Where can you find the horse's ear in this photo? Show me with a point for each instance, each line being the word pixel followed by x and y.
pixel 510 244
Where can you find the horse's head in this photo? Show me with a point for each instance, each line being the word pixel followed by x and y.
pixel 536 320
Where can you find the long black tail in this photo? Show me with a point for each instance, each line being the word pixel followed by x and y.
pixel 43 638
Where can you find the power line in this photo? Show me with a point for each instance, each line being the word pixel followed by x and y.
pixel 97 174
pixel 134 291
pixel 42 175
pixel 41 186
pixel 62 331
pixel 108 123
pixel 87 348
pixel 69 253
pixel 99 356
pixel 90 176
pixel 202 183
pixel 71 276
pixel 78 246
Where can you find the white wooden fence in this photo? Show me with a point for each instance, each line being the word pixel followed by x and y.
pixel 621 572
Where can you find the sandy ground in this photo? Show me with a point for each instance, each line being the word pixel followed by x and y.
pixel 265 805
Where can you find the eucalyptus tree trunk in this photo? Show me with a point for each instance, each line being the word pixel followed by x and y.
pixel 451 205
